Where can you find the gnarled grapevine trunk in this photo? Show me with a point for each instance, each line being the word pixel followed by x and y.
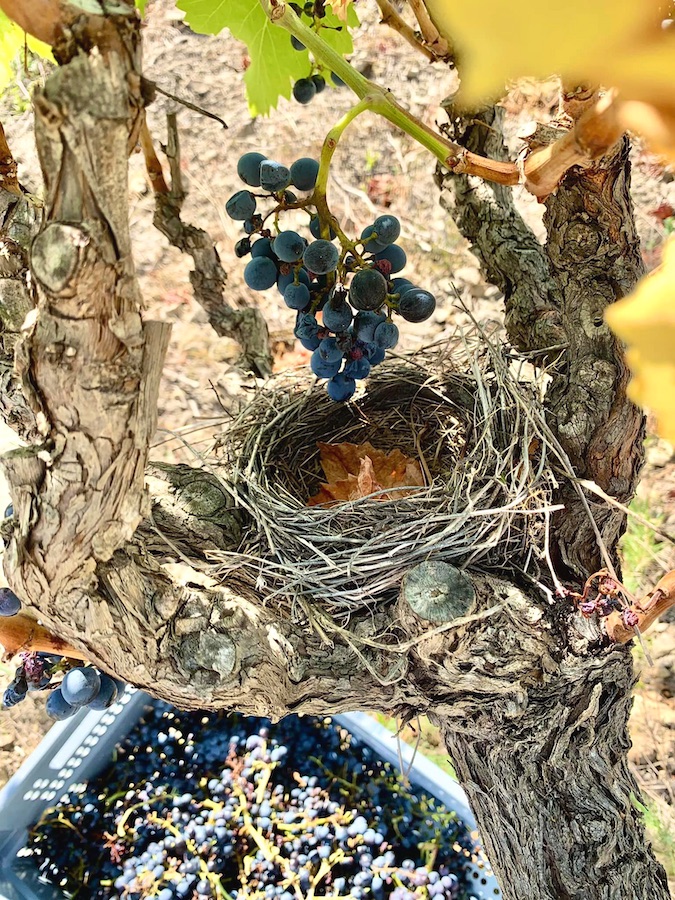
pixel 533 709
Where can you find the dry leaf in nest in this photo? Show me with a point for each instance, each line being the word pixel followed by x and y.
pixel 359 470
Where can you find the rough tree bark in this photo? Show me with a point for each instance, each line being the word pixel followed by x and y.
pixel 532 700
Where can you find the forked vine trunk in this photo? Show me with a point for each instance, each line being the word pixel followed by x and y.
pixel 533 707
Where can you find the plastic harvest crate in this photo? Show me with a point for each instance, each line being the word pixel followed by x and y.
pixel 77 749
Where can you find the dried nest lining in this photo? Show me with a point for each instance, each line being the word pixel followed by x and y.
pixel 475 436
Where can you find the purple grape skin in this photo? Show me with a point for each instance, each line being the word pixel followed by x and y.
pixel 296 296
pixel 386 335
pixel 337 316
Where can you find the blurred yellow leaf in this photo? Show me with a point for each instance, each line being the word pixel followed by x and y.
pixel 646 322
pixel 12 41
pixel 498 41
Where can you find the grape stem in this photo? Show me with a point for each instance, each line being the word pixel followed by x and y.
pixel 593 134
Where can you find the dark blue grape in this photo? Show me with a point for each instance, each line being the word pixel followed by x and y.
pixel 260 273
pixel 322 368
pixel 262 247
pixel 329 350
pixel 337 315
pixel 358 368
pixel 9 511
pixel 273 176
pixel 58 708
pixel 416 305
pixel 374 354
pixel 395 255
pixel 337 81
pixel 400 285
pixel 106 695
pixel 289 246
pixel 248 168
pixel 370 242
pixel 297 45
pixel 296 296
pixel 283 281
pixel 310 343
pixel 241 206
pixel 321 257
pixel 80 685
pixel 254 224
pixel 306 326
pixel 304 90
pixel 315 228
pixel 304 172
pixel 368 289
pixel 9 602
pixel 386 335
pixel 387 228
pixel 340 387
pixel 365 324
pixel 242 248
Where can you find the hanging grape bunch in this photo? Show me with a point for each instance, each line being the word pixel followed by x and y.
pixel 306 89
pixel 350 285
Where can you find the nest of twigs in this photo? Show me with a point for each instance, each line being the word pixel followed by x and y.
pixel 479 438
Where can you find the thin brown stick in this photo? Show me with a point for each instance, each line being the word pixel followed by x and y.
pixel 41 18
pixel 21 632
pixel 395 21
pixel 652 606
pixel 430 33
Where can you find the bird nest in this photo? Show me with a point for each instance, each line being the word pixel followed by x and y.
pixel 479 439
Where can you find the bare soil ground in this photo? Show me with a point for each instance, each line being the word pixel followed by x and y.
pixel 376 168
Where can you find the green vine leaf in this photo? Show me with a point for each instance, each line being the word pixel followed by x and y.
pixel 274 64
pixel 12 42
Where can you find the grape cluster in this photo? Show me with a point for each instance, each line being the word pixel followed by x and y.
pixel 200 806
pixel 72 686
pixel 306 89
pixel 351 286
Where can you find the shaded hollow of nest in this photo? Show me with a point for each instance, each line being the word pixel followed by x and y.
pixel 477 440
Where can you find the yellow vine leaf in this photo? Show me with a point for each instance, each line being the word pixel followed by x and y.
pixel 615 43
pixel 645 320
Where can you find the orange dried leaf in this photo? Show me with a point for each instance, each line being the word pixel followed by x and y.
pixel 359 470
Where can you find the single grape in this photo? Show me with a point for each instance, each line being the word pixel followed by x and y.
pixel 340 387
pixel 304 172
pixel 386 335
pixel 57 706
pixel 306 326
pixel 315 228
pixel 80 685
pixel 368 289
pixel 374 354
pixel 9 511
pixel 337 315
pixel 387 228
pixel 11 697
pixel 304 90
pixel 296 296
pixel 248 168
pixel 369 240
pixel 322 368
pixel 329 350
pixel 253 224
pixel 242 248
pixel 283 281
pixel 273 176
pixel 297 45
pixel 263 247
pixel 416 305
pixel 319 83
pixel 310 343
pixel 241 206
pixel 337 81
pixel 358 368
pixel 9 602
pixel 289 197
pixel 395 255
pixel 400 285
pixel 365 324
pixel 260 273
pixel 106 695
pixel 289 246
pixel 321 257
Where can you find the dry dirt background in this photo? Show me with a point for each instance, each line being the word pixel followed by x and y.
pixel 375 168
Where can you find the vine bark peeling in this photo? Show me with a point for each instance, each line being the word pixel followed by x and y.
pixel 532 700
